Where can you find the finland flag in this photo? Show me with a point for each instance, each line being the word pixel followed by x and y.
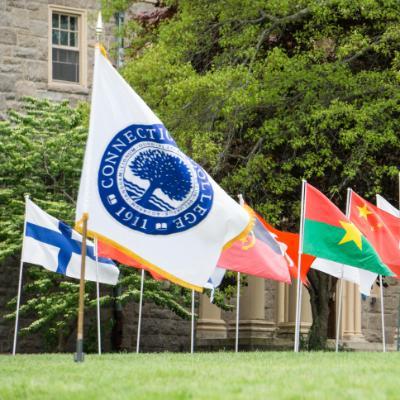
pixel 57 247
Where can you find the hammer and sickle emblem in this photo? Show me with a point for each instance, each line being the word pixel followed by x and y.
pixel 249 241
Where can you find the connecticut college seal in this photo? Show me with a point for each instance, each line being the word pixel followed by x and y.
pixel 147 184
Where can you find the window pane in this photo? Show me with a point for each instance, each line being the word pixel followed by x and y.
pixel 56 36
pixel 72 39
pixel 64 21
pixel 55 20
pixel 72 57
pixel 72 23
pixel 66 65
pixel 64 38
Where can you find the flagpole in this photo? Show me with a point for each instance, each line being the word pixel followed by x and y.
pixel 339 317
pixel 192 326
pixel 383 315
pixel 398 310
pixel 340 294
pixel 21 267
pixel 237 313
pixel 97 296
pixel 299 283
pixel 241 202
pixel 140 313
pixel 79 355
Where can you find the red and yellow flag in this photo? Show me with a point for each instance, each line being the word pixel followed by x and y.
pixel 380 228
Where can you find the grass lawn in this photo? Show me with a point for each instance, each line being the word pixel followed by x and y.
pixel 259 375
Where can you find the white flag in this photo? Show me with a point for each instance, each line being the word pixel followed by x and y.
pixel 365 279
pixel 57 247
pixel 384 205
pixel 143 195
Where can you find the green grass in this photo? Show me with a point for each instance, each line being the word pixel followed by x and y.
pixel 260 375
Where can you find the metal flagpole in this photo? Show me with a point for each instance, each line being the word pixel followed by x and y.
pixel 339 317
pixel 97 296
pixel 340 295
pixel 79 356
pixel 383 316
pixel 241 202
pixel 140 313
pixel 237 313
pixel 21 267
pixel 398 310
pixel 299 283
pixel 192 326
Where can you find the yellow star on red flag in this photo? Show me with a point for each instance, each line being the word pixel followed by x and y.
pixel 363 211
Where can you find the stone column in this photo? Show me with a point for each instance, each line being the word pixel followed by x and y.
pixel 281 309
pixel 351 315
pixel 210 325
pixel 288 310
pixel 252 311
pixel 357 312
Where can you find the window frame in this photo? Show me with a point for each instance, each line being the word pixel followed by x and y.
pixel 81 47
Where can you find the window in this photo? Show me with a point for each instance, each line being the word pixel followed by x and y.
pixel 66 48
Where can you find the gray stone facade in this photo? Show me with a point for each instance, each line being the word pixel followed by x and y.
pixel 24 51
pixel 371 314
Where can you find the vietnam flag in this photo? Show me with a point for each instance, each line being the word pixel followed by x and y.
pixel 291 240
pixel 329 234
pixel 260 254
pixel 380 228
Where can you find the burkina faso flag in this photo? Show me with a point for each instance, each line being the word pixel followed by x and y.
pixel 329 234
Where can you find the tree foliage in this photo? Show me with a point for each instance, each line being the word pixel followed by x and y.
pixel 264 93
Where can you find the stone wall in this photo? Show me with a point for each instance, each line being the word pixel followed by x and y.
pixel 371 313
pixel 161 329
pixel 24 50
pixel 8 289
pixel 271 289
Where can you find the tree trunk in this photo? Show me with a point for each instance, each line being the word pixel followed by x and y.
pixel 118 325
pixel 144 201
pixel 321 289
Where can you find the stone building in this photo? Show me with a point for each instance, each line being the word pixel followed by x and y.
pixel 46 51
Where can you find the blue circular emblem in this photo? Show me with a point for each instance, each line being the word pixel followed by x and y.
pixel 146 183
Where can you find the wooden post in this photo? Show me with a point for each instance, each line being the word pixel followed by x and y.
pixel 79 356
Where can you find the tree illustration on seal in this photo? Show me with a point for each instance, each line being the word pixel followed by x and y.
pixel 164 171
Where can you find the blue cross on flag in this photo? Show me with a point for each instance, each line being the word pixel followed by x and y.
pixel 57 247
